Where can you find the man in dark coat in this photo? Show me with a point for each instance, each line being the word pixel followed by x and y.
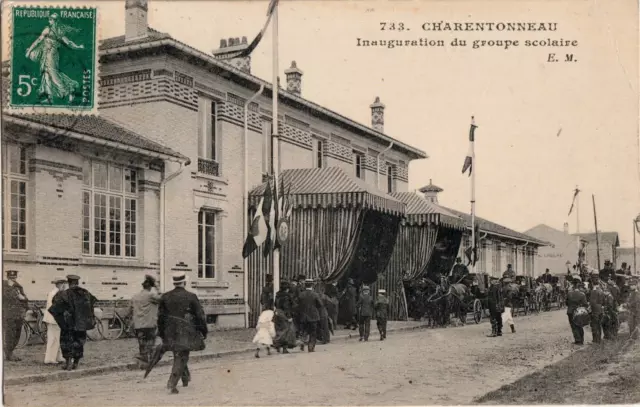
pixel 183 328
pixel 509 272
pixel 309 307
pixel 266 298
pixel 284 302
pixel 575 299
pixel 597 300
pixel 382 313
pixel 496 307
pixel 350 300
pixel 607 272
pixel 365 311
pixel 14 307
pixel 73 311
pixel 324 335
pixel 547 278
pixel 297 286
pixel 611 324
pixel 460 271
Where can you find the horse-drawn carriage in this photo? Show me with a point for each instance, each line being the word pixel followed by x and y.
pixel 554 293
pixel 525 299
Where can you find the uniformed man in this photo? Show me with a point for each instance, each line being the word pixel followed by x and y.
pixel 382 313
pixel 365 311
pixel 611 325
pixel 183 328
pixel 73 311
pixel 575 299
pixel 597 299
pixel 14 306
pixel 53 353
pixel 496 307
pixel 607 272
pixel 634 310
pixel 622 270
pixel 547 278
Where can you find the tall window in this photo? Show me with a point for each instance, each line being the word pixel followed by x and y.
pixel 482 258
pixel 109 210
pixel 390 185
pixel 15 198
pixel 206 244
pixel 319 154
pixel 208 129
pixel 358 160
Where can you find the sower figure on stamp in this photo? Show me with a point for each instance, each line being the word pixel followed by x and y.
pixel 53 354
pixel 575 299
pixel 182 326
pixel 144 309
pixel 382 313
pixel 14 307
pixel 365 311
pixel 73 311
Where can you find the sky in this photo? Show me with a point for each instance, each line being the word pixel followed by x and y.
pixel 543 128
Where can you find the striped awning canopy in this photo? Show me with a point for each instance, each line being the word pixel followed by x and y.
pixel 330 187
pixel 421 211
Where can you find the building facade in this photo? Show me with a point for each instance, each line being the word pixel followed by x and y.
pixel 191 217
pixel 561 254
pixel 608 243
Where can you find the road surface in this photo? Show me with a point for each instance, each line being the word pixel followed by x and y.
pixel 431 366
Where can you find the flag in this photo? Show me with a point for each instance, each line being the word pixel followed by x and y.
pixel 252 46
pixel 259 228
pixel 284 209
pixel 270 215
pixel 468 164
pixel 575 195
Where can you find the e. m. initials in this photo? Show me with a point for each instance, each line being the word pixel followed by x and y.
pixel 567 58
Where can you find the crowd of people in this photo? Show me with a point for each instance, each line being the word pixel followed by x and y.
pixel 303 313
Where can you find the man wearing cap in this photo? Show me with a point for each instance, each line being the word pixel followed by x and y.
pixel 182 325
pixel 73 311
pixel 382 313
pixel 144 310
pixel 53 354
pixel 597 299
pixel 575 299
pixel 611 324
pixel 14 306
pixel 459 272
pixel 309 306
pixel 365 311
pixel 496 307
pixel 509 272
pixel 348 302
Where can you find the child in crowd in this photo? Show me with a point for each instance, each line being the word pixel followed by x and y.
pixel 266 331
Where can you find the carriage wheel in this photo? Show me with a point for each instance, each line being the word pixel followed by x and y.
pixel 477 311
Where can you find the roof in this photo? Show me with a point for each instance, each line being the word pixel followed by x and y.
pixel 97 128
pixel 420 211
pixel 430 188
pixel 156 39
pixel 493 228
pixel 603 237
pixel 330 187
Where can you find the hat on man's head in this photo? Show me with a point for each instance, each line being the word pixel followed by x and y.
pixel 382 291
pixel 73 277
pixel 179 277
pixel 12 273
pixel 607 262
pixel 150 280
pixel 58 280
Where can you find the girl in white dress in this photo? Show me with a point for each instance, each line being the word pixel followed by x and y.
pixel 266 331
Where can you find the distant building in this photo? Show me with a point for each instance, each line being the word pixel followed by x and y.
pixel 499 245
pixel 625 255
pixel 608 242
pixel 563 249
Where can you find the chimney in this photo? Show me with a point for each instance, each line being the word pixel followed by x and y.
pixel 377 115
pixel 294 79
pixel 136 25
pixel 431 192
pixel 566 228
pixel 228 50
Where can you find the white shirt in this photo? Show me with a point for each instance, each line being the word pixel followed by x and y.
pixel 48 318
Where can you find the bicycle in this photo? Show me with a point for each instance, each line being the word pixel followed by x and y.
pixel 39 329
pixel 117 325
pixel 96 334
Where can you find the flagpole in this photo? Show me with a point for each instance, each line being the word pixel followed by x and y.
pixel 577 210
pixel 275 258
pixel 474 168
pixel 595 219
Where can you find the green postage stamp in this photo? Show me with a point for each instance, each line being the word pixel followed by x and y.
pixel 54 59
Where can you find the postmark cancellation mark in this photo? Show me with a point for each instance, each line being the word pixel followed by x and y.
pixel 54 59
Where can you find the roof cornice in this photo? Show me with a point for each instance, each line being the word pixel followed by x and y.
pixel 414 153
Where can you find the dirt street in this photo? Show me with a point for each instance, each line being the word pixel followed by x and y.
pixel 441 366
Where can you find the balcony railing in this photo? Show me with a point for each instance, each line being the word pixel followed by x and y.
pixel 209 167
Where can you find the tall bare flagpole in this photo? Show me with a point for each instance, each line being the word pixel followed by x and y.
pixel 595 220
pixel 577 210
pixel 275 142
pixel 474 168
